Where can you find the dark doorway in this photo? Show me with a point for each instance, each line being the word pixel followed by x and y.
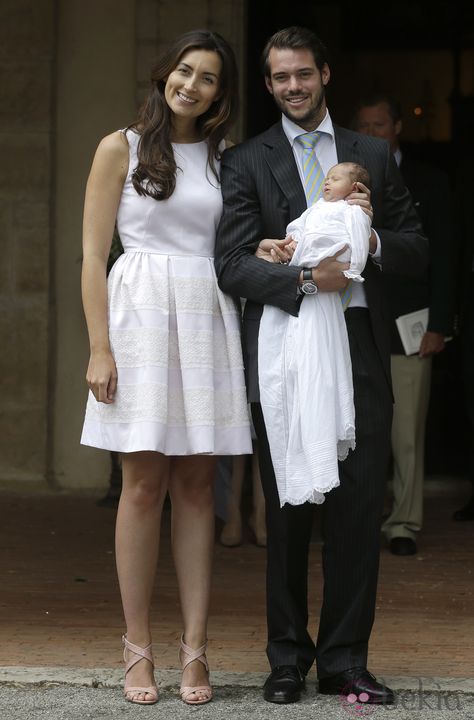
pixel 263 19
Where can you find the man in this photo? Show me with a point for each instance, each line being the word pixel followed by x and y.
pixel 262 185
pixel 380 116
pixel 465 289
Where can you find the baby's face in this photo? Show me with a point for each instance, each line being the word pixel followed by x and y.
pixel 337 184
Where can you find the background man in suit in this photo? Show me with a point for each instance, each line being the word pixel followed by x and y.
pixel 380 116
pixel 262 185
pixel 464 214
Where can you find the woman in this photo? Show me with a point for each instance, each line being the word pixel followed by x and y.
pixel 165 370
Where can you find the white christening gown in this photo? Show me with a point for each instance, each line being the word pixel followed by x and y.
pixel 305 371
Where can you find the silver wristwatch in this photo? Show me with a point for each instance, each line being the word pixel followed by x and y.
pixel 308 286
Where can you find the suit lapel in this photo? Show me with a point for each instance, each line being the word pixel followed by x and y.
pixel 281 161
pixel 347 147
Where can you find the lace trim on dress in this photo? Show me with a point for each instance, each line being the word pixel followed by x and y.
pixel 139 347
pixel 153 402
pixel 158 291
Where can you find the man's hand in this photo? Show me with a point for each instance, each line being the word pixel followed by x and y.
pixel 362 198
pixel 329 276
pixel 431 343
pixel 276 251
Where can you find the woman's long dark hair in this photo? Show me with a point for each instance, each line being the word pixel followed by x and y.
pixel 155 174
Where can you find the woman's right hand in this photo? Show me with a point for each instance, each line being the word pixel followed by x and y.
pixel 104 190
pixel 102 376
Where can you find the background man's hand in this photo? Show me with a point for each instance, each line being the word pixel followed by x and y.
pixel 431 343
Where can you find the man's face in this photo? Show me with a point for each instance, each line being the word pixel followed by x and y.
pixel 298 86
pixel 376 120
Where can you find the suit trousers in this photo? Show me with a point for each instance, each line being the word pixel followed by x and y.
pixel 351 531
pixel 467 350
pixel 411 379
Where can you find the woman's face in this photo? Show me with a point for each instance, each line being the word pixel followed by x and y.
pixel 194 84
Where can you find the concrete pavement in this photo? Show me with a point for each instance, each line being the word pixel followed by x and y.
pixel 94 694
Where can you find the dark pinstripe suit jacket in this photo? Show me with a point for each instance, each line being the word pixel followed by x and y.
pixel 262 193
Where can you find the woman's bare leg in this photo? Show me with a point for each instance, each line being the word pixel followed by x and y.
pixel 192 534
pixel 137 537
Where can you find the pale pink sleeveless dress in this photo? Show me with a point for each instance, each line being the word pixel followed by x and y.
pixel 174 335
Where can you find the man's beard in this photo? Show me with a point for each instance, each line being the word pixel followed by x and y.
pixel 311 117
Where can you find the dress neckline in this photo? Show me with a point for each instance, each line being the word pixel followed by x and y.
pixel 198 142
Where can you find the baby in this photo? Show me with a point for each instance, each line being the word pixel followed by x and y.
pixel 325 229
pixel 305 372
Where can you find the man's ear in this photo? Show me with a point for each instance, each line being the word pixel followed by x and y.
pixel 398 127
pixel 268 83
pixel 325 74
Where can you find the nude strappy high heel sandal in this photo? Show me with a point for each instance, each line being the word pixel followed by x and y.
pixel 189 655
pixel 138 654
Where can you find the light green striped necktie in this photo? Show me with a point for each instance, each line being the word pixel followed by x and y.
pixel 313 185
pixel 312 171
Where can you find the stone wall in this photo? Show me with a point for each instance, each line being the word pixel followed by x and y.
pixel 27 46
pixel 95 87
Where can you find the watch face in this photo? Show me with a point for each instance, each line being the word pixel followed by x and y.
pixel 309 288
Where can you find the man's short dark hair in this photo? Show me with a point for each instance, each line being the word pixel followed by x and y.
pixel 295 38
pixel 376 98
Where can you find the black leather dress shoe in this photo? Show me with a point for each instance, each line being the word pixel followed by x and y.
pixel 466 513
pixel 403 546
pixel 359 682
pixel 284 684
